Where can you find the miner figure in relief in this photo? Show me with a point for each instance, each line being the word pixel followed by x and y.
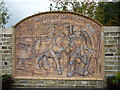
pixel 78 52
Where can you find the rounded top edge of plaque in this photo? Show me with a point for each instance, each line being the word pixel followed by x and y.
pixel 48 12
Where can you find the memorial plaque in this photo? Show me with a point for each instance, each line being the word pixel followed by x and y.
pixel 58 45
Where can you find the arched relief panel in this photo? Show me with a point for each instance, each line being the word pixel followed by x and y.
pixel 58 45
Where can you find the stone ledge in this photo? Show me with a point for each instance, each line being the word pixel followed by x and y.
pixel 6 31
pixel 111 29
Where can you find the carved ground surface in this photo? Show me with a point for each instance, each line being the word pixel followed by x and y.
pixel 58 45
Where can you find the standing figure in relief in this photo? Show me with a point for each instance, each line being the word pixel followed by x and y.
pixel 78 50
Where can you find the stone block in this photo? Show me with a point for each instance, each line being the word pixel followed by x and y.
pixel 0 63
pixel 6 43
pixel 1 35
pixel 110 73
pixel 32 81
pixel 105 42
pixel 14 86
pixel 6 72
pixel 119 63
pixel 69 82
pixel 39 81
pixel 117 54
pixel 4 47
pixel 119 66
pixel 99 86
pixel 106 50
pixel 9 39
pixel 111 63
pixel 109 38
pixel 118 58
pixel 61 82
pixel 118 33
pixel 118 38
pixel 17 81
pixel 117 45
pixel 3 39
pixel 6 31
pixel 113 42
pixel 6 56
pixel 78 82
pixel 106 34
pixel 0 57
pixel 7 35
pixel 5 67
pixel 115 58
pixel 113 34
pixel 101 83
pixel 84 82
pixel 92 82
pixel 1 51
pixel 117 50
pixel 24 81
pixel 9 47
pixel 111 67
pixel 0 71
pixel 112 50
pixel 7 51
pixel 109 46
pixel 51 82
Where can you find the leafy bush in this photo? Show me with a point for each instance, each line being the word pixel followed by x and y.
pixel 113 82
pixel 4 77
pixel 118 76
pixel 7 81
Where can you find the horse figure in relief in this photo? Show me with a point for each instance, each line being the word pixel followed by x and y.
pixel 49 48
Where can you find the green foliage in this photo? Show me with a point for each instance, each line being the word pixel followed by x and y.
pixel 86 7
pixel 107 13
pixel 111 13
pixel 4 15
pixel 99 12
pixel 113 80
pixel 6 76
pixel 118 75
pixel 7 81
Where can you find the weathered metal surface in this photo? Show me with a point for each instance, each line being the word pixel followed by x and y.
pixel 58 45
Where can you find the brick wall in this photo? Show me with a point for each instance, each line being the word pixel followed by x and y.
pixel 112 62
pixel 58 83
pixel 6 51
pixel 112 50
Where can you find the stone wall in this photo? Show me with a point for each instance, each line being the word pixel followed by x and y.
pixel 112 62
pixel 112 50
pixel 6 51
